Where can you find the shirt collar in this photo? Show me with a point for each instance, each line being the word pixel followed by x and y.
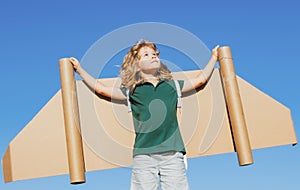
pixel 160 81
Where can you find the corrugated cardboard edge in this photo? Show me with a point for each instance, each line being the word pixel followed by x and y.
pixel 7 166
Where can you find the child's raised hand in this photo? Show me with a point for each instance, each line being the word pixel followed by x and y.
pixel 214 51
pixel 74 62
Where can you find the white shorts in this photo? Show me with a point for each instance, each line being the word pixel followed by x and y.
pixel 165 170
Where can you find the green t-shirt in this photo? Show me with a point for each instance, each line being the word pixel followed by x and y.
pixel 154 117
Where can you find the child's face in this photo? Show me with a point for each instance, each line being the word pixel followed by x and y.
pixel 149 61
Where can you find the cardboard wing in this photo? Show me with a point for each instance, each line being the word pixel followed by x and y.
pixel 39 150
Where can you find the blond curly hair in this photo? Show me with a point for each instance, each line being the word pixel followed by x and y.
pixel 130 73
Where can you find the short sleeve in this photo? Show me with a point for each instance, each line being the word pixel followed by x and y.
pixel 123 89
pixel 181 82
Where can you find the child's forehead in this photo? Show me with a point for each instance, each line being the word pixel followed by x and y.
pixel 146 49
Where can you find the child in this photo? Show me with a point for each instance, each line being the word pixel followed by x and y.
pixel 158 155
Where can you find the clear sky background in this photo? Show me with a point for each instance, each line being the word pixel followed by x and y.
pixel 263 36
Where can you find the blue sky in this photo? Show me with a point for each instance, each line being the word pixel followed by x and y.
pixel 263 36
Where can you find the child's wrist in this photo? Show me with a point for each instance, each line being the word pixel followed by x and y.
pixel 77 69
pixel 214 57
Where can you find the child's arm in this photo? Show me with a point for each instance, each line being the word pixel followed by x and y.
pixel 98 87
pixel 203 76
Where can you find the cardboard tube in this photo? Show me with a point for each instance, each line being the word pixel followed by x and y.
pixel 234 106
pixel 72 122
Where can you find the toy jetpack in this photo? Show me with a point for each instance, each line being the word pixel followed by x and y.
pixel 79 131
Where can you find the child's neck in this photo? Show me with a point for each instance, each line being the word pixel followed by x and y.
pixel 151 78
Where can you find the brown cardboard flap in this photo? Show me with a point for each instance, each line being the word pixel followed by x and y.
pixel 39 150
